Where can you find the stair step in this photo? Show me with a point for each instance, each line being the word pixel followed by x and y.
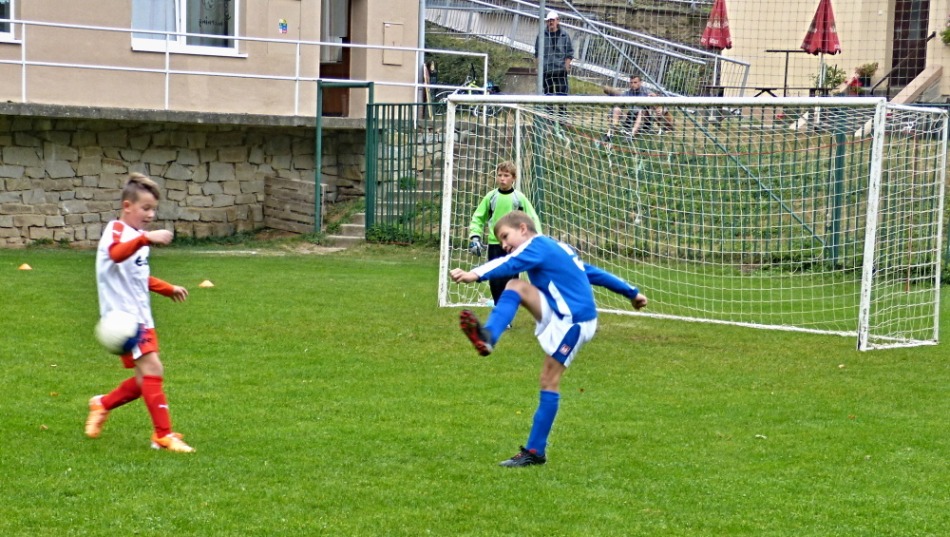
pixel 344 241
pixel 353 230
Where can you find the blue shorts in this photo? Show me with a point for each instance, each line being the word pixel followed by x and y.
pixel 560 338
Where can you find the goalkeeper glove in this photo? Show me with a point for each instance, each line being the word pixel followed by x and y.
pixel 475 247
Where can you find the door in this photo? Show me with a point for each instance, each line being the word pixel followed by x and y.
pixel 910 40
pixel 335 61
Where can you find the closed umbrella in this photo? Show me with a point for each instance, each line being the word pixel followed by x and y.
pixel 716 35
pixel 822 36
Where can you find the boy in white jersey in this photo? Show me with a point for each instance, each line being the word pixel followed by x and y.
pixel 124 283
pixel 560 298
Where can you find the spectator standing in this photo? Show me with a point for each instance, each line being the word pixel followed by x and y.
pixel 558 55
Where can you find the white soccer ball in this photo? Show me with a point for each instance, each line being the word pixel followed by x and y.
pixel 118 331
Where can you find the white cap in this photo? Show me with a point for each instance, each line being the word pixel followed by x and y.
pixel 551 15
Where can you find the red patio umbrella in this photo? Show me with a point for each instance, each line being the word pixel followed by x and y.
pixel 822 36
pixel 717 35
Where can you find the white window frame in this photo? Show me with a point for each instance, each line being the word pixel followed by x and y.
pixel 9 35
pixel 178 44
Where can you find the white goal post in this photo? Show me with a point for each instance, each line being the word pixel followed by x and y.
pixel 818 215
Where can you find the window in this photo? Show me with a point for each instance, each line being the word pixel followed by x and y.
pixel 6 12
pixel 207 17
pixel 335 28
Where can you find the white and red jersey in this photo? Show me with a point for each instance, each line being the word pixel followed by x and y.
pixel 122 273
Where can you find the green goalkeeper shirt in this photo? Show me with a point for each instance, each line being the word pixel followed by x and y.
pixel 493 206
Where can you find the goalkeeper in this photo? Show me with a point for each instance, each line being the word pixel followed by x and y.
pixel 497 203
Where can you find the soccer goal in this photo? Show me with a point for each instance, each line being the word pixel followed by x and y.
pixel 818 215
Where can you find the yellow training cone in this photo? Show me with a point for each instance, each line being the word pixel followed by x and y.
pixel 206 284
pixel 24 266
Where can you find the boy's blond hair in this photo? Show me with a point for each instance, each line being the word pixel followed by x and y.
pixel 136 184
pixel 515 219
pixel 509 167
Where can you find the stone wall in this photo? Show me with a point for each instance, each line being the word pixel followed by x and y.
pixel 289 205
pixel 60 178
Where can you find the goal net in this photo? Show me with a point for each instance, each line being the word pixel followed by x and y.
pixel 818 215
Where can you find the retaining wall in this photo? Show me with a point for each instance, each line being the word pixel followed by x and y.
pixel 60 178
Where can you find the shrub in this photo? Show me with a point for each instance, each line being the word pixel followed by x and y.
pixel 453 69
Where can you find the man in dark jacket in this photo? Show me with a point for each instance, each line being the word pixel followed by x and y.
pixel 558 54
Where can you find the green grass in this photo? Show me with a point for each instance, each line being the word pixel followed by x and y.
pixel 329 395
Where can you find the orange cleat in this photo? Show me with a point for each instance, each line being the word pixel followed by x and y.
pixel 171 442
pixel 97 417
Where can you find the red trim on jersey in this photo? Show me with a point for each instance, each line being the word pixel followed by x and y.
pixel 160 286
pixel 120 251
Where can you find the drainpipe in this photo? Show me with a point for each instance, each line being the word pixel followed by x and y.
pixel 421 43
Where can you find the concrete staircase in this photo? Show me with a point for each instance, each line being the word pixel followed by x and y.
pixel 922 87
pixel 351 233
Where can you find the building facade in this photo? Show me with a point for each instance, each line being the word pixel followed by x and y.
pixel 214 99
pixel 891 33
pixel 214 56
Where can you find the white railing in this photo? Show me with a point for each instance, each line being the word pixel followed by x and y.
pixel 35 53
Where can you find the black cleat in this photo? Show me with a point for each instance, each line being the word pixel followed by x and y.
pixel 475 332
pixel 524 458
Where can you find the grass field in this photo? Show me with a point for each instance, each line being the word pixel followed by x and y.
pixel 328 395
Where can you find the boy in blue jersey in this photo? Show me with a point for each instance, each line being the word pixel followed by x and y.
pixel 560 298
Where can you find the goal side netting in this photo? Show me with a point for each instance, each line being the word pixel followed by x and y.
pixel 818 215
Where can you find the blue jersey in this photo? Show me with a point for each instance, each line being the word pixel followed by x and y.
pixel 561 277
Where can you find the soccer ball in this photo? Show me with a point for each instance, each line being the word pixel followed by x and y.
pixel 118 331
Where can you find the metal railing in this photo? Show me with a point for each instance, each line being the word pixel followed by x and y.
pixel 897 66
pixel 29 52
pixel 604 54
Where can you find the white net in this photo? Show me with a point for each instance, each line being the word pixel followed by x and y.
pixel 746 211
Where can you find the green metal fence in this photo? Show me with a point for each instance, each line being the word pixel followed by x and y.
pixel 404 172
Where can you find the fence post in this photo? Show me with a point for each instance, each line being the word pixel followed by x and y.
pixel 372 158
pixel 318 150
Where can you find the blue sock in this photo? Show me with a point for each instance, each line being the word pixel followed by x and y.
pixel 503 313
pixel 543 420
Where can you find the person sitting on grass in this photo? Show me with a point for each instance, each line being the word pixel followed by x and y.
pixel 560 298
pixel 632 119
pixel 637 119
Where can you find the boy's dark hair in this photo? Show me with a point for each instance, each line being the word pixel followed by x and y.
pixel 515 219
pixel 508 166
pixel 136 184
